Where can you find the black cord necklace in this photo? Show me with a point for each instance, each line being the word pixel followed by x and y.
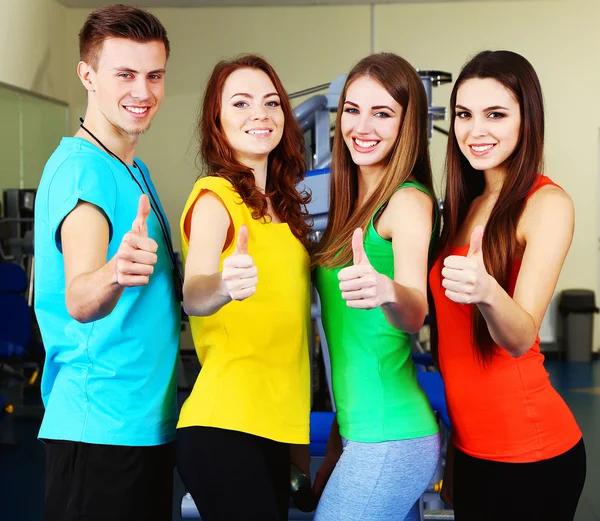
pixel 177 278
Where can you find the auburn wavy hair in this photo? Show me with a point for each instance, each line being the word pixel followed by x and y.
pixel 464 183
pixel 410 157
pixel 286 163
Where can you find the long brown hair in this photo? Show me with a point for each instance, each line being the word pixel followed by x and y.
pixel 286 164
pixel 464 183
pixel 410 156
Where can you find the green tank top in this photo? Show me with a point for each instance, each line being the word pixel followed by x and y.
pixel 375 386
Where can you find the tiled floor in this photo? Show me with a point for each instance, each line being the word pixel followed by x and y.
pixel 22 466
pixel 578 383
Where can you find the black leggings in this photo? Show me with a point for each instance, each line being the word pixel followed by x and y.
pixel 547 490
pixel 234 476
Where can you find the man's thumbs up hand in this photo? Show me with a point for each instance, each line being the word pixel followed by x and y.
pixel 136 256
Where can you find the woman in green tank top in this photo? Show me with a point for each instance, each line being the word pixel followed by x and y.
pixel 371 274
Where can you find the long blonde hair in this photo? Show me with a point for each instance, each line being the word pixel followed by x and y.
pixel 410 157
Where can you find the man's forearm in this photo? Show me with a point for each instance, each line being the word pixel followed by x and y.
pixel 92 296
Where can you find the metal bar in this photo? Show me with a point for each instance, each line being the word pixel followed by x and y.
pixel 33 94
pixel 21 146
pixel 445 515
pixel 322 150
pixel 309 107
pixel 309 90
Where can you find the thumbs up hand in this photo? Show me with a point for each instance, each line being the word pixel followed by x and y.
pixel 240 275
pixel 136 256
pixel 360 284
pixel 140 224
pixel 465 278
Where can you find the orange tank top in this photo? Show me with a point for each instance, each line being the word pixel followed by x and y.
pixel 507 411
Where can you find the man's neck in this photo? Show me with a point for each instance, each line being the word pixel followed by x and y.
pixel 120 144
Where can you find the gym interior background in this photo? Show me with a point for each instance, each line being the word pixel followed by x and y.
pixel 310 45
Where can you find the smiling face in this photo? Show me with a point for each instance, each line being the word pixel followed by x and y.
pixel 370 123
pixel 487 124
pixel 251 115
pixel 127 86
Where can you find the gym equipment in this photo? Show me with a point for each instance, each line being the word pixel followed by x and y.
pixel 7 436
pixel 15 316
pixel 439 515
pixel 314 114
pixel 20 353
pixel 320 427
pixel 188 508
pixel 13 339
pixel 301 490
pixel 431 382
pixel 432 79
pixel 16 228
pixel 19 204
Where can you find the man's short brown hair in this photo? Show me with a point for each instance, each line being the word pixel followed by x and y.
pixel 118 21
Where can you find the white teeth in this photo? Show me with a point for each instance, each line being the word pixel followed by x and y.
pixel 365 144
pixel 258 132
pixel 137 110
pixel 481 149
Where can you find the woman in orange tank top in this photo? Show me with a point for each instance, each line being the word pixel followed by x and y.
pixel 517 452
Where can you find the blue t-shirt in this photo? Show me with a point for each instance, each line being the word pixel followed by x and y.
pixel 111 381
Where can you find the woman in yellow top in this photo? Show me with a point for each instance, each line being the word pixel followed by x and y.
pixel 246 289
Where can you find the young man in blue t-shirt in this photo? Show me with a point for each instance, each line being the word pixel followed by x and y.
pixel 105 296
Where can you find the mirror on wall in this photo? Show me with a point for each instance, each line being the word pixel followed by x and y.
pixel 31 127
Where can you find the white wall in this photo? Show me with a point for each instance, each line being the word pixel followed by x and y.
pixel 306 45
pixel 33 40
pixel 312 45
pixel 560 39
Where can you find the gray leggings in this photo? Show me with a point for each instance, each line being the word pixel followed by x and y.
pixel 380 481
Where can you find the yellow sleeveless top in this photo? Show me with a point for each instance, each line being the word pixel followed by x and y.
pixel 254 353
